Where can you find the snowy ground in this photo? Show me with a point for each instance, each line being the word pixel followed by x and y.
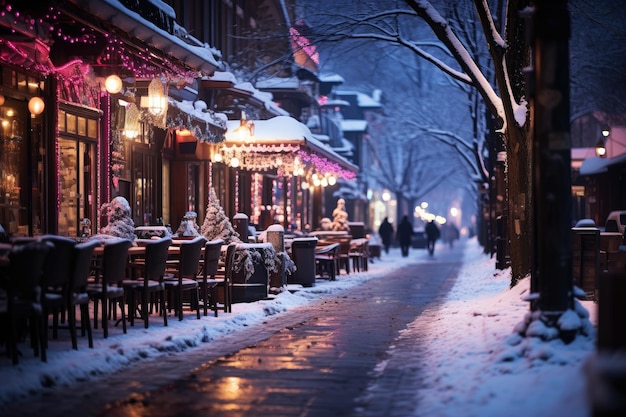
pixel 477 365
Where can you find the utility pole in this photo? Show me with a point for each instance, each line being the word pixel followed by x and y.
pixel 550 130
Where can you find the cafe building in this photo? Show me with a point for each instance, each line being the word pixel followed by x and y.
pixel 94 104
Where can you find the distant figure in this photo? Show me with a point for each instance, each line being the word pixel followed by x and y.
pixel 450 234
pixel 404 234
pixel 432 234
pixel 386 233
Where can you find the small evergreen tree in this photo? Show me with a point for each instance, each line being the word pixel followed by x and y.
pixel 216 224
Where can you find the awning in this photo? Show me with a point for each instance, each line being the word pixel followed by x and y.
pixel 282 143
pixel 198 55
pixel 204 125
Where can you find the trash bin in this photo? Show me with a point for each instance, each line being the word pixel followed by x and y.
pixel 303 255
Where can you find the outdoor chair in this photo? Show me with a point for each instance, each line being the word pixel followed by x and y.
pixel 343 257
pixel 183 277
pixel 326 259
pixel 56 279
pixel 107 289
pixel 23 286
pixel 148 281
pixel 209 282
pixel 78 295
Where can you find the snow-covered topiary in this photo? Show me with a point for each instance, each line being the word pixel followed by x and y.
pixel 188 226
pixel 216 224
pixel 120 221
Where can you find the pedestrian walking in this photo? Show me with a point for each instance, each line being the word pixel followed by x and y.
pixel 432 234
pixel 404 234
pixel 386 233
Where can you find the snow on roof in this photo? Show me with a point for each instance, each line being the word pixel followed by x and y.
pixel 331 78
pixel 596 165
pixel 285 131
pixel 277 82
pixel 198 55
pixel 263 96
pixel 353 125
pixel 336 102
pixel 363 100
pixel 196 109
pixel 279 128
pixel 223 76
pixel 166 8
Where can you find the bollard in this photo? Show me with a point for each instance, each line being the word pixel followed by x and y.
pixel 240 224
pixel 275 235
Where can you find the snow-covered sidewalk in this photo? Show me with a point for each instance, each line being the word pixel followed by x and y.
pixel 476 367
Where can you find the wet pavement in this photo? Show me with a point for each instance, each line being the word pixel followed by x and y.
pixel 349 355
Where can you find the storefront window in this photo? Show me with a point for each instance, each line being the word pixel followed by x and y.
pixel 13 157
pixel 143 196
pixel 77 170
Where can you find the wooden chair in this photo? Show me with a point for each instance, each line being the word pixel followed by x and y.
pixel 326 261
pixel 343 258
pixel 209 282
pixel 359 255
pixel 23 286
pixel 107 289
pixel 148 281
pixel 78 295
pixel 184 279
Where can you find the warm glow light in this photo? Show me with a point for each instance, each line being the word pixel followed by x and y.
pixel 332 180
pixel 424 205
pixel 324 182
pixel 305 185
pixel 36 105
pixel 113 84
pixel 454 211
pixel 386 196
pixel 217 157
pixel 234 162
pixel 1 100
pixel 601 149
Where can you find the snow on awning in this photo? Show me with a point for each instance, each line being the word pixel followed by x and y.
pixel 282 143
pixel 204 125
pixel 596 165
pixel 198 56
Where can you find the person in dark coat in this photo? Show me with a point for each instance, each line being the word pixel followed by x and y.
pixel 386 233
pixel 432 234
pixel 404 234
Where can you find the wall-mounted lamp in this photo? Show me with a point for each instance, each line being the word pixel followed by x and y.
pixel 113 84
pixel 36 106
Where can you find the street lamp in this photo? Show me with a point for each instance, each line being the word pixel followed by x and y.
pixel 601 146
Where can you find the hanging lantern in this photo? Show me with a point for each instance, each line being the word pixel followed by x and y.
pixel 113 84
pixel 36 105
pixel 156 101
pixel 131 121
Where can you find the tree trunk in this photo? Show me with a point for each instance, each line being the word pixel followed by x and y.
pixel 519 180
